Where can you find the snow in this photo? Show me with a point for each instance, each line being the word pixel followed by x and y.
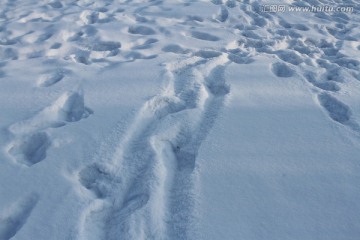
pixel 178 120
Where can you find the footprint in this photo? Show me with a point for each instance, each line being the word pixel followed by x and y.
pixel 282 70
pixel 161 106
pixel 217 2
pixel 301 27
pixel 47 80
pixel 69 107
pixel 101 46
pixel 294 34
pixel 250 34
pixel 174 48
pixel 16 216
pixel 337 110
pixel 7 42
pixel 35 54
pixel 327 85
pixel 348 63
pixel 130 206
pixel 8 54
pixel 56 4
pixel 331 52
pixel 204 36
pixel 90 30
pixel 43 37
pixel 231 3
pixel 185 160
pixel 284 24
pixel 333 74
pixel 223 14
pixel 31 149
pixel 89 17
pixel 102 9
pixel 56 46
pixel 195 18
pixel 215 82
pixel 97 179
pixel 147 44
pixel 240 59
pixel 133 55
pixel 75 37
pixel 289 56
pixel 141 30
pixel 207 54
pixel 259 21
pixel 80 56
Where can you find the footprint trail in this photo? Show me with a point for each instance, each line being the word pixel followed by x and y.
pixel 158 156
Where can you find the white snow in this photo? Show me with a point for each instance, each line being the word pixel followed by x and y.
pixel 165 119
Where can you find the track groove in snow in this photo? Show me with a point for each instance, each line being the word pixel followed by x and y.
pixel 144 175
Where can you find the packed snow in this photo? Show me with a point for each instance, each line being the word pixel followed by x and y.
pixel 179 119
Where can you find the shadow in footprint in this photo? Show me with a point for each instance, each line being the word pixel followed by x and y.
pixel 327 85
pixel 47 80
pixel 337 110
pixel 239 59
pixel 223 14
pixel 97 179
pixel 102 46
pixel 204 36
pixel 16 216
pixel 282 70
pixel 69 107
pixel 141 30
pixel 174 48
pixel 289 56
pixel 207 54
pixel 132 204
pixel 31 149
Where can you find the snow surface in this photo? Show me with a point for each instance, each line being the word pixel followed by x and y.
pixel 176 119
